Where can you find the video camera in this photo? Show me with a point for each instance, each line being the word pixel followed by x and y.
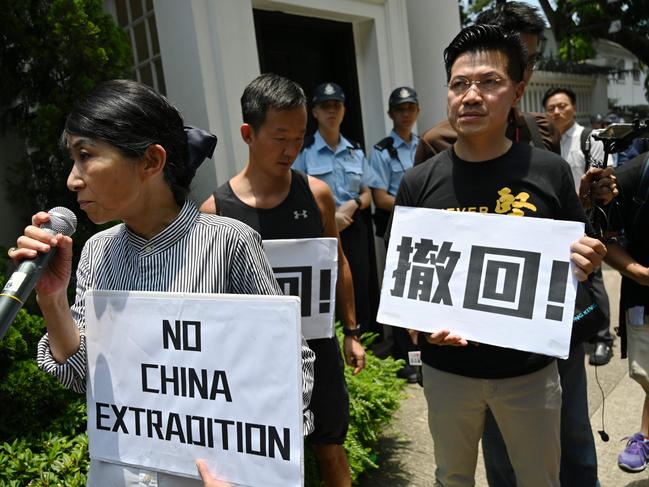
pixel 618 136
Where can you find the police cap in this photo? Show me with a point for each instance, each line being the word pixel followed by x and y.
pixel 327 91
pixel 403 94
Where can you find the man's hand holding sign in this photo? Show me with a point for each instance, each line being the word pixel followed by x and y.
pixel 505 282
pixel 477 288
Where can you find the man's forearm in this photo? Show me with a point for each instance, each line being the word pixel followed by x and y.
pixel 345 307
pixel 618 258
pixel 383 199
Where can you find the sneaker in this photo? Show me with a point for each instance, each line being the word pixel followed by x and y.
pixel 636 454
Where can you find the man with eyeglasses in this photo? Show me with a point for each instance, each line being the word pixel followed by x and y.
pixel 580 150
pixel 578 460
pixel 389 160
pixel 560 104
pixel 463 380
pixel 534 128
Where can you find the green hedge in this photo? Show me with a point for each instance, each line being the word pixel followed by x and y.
pixel 374 396
pixel 51 461
pixel 42 426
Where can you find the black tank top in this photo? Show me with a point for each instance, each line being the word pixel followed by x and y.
pixel 298 216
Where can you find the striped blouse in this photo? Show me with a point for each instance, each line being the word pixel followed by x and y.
pixel 196 253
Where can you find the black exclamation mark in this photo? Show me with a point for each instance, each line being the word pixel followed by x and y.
pixel 325 290
pixel 557 293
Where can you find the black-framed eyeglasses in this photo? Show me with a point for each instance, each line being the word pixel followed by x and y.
pixel 533 61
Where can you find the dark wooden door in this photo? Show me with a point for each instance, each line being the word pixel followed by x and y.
pixel 311 51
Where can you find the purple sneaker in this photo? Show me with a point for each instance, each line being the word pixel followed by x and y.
pixel 636 454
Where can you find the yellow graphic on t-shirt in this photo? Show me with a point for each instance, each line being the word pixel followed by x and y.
pixel 513 205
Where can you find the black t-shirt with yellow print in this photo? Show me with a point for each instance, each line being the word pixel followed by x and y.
pixel 524 181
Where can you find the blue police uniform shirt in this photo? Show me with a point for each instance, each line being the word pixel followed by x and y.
pixel 343 169
pixel 386 171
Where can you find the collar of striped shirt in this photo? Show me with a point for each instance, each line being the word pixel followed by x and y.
pixel 169 235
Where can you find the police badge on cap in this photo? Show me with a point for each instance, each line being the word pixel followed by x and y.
pixel 328 91
pixel 403 94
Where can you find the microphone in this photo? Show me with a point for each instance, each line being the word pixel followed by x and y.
pixel 22 281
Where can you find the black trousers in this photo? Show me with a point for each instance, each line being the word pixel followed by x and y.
pixel 357 241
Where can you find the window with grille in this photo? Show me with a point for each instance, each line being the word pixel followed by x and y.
pixel 136 17
pixel 621 74
pixel 636 73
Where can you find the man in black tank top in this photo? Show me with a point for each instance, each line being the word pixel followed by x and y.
pixel 281 203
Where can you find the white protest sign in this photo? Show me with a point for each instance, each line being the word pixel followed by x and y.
pixel 308 268
pixel 173 377
pixel 501 280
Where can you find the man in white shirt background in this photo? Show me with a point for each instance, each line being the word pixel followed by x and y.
pixel 581 150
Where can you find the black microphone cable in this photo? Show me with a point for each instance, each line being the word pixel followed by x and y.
pixel 602 433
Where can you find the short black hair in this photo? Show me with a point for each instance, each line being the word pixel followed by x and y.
pixel 131 116
pixel 514 17
pixel 555 91
pixel 269 91
pixel 479 38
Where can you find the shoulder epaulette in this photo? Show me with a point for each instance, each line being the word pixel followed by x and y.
pixel 387 143
pixel 384 143
pixel 308 141
pixel 355 145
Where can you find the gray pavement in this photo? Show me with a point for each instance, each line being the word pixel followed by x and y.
pixel 407 451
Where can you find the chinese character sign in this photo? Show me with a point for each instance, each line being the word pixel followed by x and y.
pixel 174 377
pixel 489 278
pixel 308 268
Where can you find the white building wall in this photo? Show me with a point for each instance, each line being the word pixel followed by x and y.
pixel 621 91
pixel 382 49
pixel 589 90
pixel 433 24
pixel 209 54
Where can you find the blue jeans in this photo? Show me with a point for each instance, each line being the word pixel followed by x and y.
pixel 578 455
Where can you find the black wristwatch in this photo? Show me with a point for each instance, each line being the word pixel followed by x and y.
pixel 352 332
pixel 358 202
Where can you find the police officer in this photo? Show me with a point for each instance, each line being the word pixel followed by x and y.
pixel 329 156
pixel 388 162
pixel 394 154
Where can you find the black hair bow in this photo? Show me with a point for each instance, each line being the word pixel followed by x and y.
pixel 200 144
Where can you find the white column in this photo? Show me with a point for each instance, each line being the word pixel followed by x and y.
pixel 600 96
pixel 433 24
pixel 384 62
pixel 209 55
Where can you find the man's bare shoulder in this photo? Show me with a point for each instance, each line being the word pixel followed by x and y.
pixel 209 205
pixel 319 188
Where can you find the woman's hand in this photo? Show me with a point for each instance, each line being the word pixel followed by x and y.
pixel 444 337
pixel 343 221
pixel 208 479
pixel 56 277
